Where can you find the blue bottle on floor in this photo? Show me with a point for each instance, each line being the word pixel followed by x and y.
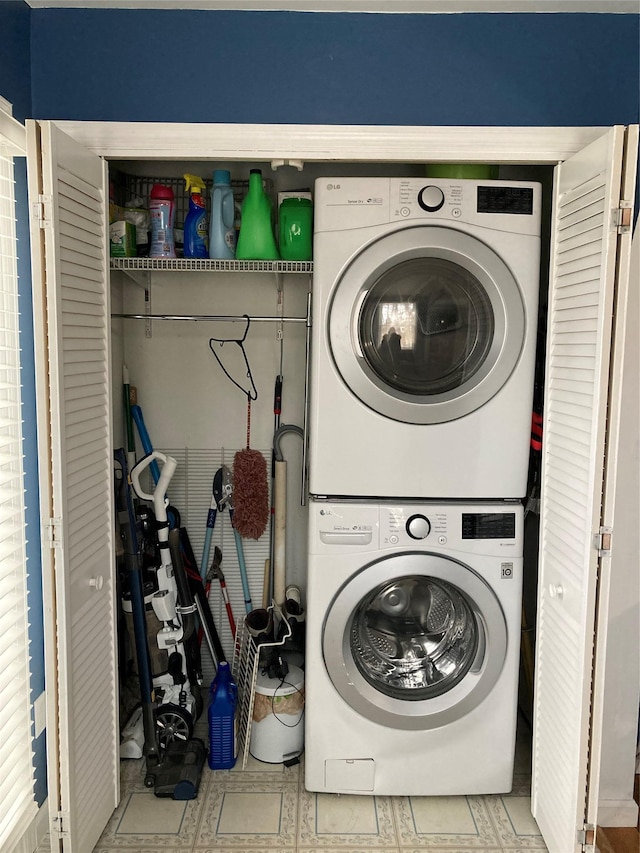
pixel 223 699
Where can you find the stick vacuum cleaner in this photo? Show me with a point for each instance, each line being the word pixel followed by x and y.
pixel 175 769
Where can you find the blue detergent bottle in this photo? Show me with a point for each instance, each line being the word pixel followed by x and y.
pixel 222 232
pixel 195 223
pixel 223 699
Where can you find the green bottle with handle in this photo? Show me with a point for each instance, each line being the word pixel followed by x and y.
pixel 256 241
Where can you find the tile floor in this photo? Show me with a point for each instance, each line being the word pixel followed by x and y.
pixel 266 808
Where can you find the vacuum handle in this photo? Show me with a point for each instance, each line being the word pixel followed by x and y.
pixel 168 469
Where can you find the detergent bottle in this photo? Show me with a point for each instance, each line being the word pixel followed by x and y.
pixel 256 240
pixel 222 233
pixel 162 210
pixel 223 699
pixel 195 223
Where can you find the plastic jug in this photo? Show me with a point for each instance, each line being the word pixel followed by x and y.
pixel 222 232
pixel 222 719
pixel 296 229
pixel 256 240
pixel 162 210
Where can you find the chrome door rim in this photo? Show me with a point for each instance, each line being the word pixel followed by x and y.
pixel 389 251
pixel 407 714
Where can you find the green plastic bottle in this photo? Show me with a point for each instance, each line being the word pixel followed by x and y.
pixel 256 241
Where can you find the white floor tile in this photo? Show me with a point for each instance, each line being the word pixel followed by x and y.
pixel 146 821
pixel 435 822
pixel 248 815
pixel 514 823
pixel 344 820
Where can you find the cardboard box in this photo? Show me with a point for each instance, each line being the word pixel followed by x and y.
pixel 122 239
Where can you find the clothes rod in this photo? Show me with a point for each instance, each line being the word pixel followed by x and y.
pixel 213 317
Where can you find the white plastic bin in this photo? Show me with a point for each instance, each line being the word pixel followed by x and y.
pixel 277 730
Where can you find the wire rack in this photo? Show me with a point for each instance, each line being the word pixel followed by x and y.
pixel 125 187
pixel 246 660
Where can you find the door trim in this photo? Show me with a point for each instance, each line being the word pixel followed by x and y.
pixel 355 143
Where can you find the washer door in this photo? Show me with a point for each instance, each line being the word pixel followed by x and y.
pixel 414 641
pixel 426 324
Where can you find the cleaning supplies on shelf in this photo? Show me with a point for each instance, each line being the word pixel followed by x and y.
pixel 162 209
pixel 222 232
pixel 256 240
pixel 195 223
pixel 296 229
pixel 222 723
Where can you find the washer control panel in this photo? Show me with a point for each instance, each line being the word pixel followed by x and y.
pixel 351 527
pixel 406 525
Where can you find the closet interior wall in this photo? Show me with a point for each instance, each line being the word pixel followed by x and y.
pixel 191 409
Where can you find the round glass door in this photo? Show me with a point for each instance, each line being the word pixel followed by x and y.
pixel 415 640
pixel 426 324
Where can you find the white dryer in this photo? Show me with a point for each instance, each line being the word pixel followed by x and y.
pixel 425 296
pixel 412 650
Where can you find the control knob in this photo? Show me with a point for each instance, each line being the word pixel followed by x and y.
pixel 431 199
pixel 418 526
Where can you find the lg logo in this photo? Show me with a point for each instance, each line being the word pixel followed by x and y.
pixel 333 186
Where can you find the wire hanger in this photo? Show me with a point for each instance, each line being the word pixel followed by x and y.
pixel 252 393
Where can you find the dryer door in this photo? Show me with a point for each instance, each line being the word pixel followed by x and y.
pixel 414 641
pixel 434 323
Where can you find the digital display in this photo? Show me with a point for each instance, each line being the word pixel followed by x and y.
pixel 505 200
pixel 488 525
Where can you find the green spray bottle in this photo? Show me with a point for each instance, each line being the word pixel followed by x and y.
pixel 256 240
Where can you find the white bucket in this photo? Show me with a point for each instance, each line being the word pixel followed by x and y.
pixel 277 730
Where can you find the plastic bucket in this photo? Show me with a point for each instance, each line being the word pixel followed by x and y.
pixel 469 171
pixel 277 730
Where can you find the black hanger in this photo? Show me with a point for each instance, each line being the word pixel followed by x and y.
pixel 252 393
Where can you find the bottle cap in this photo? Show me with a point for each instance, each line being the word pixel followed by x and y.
pixel 160 191
pixel 221 176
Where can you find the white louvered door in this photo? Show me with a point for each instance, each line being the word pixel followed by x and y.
pixel 73 353
pixel 584 257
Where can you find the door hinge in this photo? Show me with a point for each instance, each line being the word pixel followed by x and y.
pixel 53 533
pixel 41 210
pixel 60 825
pixel 587 837
pixel 621 217
pixel 602 541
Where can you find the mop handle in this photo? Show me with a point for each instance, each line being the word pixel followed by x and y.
pixel 136 414
pixel 248 606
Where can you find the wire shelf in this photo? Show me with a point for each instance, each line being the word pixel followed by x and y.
pixel 209 265
pixel 246 661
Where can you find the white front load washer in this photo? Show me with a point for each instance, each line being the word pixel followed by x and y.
pixel 412 648
pixel 425 296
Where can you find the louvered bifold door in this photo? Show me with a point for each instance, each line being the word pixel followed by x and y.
pixel 69 214
pixel 581 300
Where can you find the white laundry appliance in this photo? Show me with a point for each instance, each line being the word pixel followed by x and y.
pixel 413 637
pixel 425 296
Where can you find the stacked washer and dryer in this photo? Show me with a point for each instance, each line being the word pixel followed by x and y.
pixel 425 300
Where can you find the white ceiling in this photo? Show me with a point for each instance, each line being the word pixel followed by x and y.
pixel 386 6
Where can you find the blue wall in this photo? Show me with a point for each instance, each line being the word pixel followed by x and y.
pixel 15 86
pixel 299 68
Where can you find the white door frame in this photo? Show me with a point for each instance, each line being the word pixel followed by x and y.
pixel 283 144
